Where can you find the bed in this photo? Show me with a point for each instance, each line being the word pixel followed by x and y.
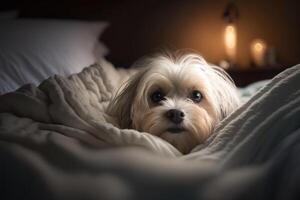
pixel 55 142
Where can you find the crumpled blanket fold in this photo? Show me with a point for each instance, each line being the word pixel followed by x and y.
pixel 79 102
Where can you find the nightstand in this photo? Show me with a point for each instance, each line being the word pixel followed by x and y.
pixel 243 77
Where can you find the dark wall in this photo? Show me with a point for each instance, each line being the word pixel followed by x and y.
pixel 140 27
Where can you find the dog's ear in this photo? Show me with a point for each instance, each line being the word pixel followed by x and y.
pixel 226 92
pixel 120 107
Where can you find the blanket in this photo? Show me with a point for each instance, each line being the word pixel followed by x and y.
pixel 55 143
pixel 75 106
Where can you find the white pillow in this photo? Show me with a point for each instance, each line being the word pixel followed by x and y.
pixel 34 49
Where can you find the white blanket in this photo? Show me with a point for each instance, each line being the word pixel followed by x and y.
pixel 55 143
pixel 75 106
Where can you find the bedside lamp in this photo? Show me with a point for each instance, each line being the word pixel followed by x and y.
pixel 230 16
pixel 230 37
pixel 258 50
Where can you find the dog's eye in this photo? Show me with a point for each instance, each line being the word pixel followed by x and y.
pixel 157 96
pixel 196 96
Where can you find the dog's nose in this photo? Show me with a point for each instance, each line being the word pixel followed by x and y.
pixel 174 115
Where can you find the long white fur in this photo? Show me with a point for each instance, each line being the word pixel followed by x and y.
pixel 176 74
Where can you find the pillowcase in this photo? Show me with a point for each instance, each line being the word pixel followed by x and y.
pixel 31 50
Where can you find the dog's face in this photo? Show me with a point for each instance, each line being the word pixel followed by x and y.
pixel 179 100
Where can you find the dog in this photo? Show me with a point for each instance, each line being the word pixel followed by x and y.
pixel 178 97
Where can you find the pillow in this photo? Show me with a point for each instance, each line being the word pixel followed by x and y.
pixel 31 50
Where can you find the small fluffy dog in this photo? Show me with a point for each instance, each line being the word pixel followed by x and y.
pixel 177 97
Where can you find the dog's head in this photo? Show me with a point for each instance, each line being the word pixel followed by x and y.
pixel 178 98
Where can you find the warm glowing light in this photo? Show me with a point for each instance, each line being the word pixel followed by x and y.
pixel 258 46
pixel 258 50
pixel 230 39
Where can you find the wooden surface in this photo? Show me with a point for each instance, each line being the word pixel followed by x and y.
pixel 243 77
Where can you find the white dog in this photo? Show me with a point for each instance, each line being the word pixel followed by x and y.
pixel 178 97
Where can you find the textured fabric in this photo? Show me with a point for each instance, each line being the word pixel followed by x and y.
pixel 56 144
pixel 78 102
